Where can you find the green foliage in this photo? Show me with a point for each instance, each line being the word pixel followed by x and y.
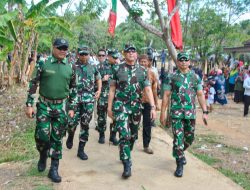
pixel 135 11
pixel 240 178
pixel 206 158
pixel 20 147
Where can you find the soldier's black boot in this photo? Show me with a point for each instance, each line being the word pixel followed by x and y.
pixel 127 168
pixel 41 165
pixel 53 172
pixel 112 137
pixel 179 168
pixel 101 138
pixel 81 154
pixel 69 142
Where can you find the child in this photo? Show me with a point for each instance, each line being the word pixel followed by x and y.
pixel 210 100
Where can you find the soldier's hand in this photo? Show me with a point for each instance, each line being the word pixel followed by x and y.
pixel 153 114
pixel 29 112
pixel 71 113
pixel 110 114
pixel 163 119
pixel 204 118
pixel 97 94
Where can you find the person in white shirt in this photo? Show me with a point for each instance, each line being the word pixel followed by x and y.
pixel 246 85
pixel 210 100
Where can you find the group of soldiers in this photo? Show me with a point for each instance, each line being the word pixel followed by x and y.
pixel 68 91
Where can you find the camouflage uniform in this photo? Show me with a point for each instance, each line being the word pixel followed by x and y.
pixel 86 75
pixel 57 82
pixel 130 81
pixel 182 111
pixel 102 104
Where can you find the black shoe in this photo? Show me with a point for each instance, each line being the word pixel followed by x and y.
pixel 127 168
pixel 53 172
pixel 179 168
pixel 81 154
pixel 69 142
pixel 101 138
pixel 41 165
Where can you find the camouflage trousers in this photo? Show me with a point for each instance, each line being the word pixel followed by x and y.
pixel 127 124
pixel 83 115
pixel 51 124
pixel 102 109
pixel 183 131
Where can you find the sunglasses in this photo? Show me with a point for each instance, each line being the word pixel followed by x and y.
pixel 83 54
pixel 101 55
pixel 63 48
pixel 184 59
pixel 130 50
pixel 114 57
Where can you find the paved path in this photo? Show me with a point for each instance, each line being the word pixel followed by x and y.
pixel 149 172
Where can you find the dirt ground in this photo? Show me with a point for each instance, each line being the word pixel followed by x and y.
pixel 226 127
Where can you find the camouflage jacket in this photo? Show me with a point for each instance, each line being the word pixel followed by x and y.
pixel 86 76
pixel 130 81
pixel 184 88
pixel 105 69
pixel 57 80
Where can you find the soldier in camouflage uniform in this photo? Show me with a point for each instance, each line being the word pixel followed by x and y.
pixel 56 79
pixel 184 85
pixel 105 69
pixel 126 87
pixel 86 77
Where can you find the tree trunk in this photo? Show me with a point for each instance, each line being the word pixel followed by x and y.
pixel 25 56
pixel 33 63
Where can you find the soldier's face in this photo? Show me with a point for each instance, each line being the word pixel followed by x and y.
pixel 183 64
pixel 101 56
pixel 131 55
pixel 60 52
pixel 144 63
pixel 83 58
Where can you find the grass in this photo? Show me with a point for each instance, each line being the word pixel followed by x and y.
pixel 32 171
pixel 43 187
pixel 211 140
pixel 240 178
pixel 20 147
pixel 206 158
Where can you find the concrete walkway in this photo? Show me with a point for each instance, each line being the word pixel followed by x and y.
pixel 149 172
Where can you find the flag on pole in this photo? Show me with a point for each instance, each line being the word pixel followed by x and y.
pixel 112 18
pixel 175 23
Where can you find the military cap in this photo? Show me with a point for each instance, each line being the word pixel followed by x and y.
pixel 83 49
pixel 182 55
pixel 60 42
pixel 110 51
pixel 128 47
pixel 114 53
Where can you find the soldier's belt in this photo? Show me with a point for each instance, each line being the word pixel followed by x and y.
pixel 59 101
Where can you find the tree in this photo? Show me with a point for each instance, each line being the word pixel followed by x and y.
pixel 163 31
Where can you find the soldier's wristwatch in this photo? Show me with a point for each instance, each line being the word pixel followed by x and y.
pixel 205 112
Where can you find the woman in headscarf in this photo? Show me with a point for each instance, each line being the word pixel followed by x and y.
pixel 219 86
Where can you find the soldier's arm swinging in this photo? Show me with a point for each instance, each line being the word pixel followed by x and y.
pixel 202 102
pixel 164 106
pixel 99 88
pixel 31 92
pixel 110 100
